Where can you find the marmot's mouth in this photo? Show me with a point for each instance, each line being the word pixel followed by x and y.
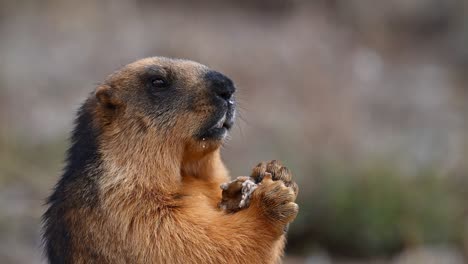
pixel 221 125
pixel 224 123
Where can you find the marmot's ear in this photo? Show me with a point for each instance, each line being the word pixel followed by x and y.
pixel 106 97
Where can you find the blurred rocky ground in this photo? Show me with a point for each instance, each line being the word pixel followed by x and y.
pixel 364 100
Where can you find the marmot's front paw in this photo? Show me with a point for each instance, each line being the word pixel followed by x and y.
pixel 278 173
pixel 237 194
pixel 276 201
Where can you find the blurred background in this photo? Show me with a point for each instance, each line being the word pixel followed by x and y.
pixel 365 100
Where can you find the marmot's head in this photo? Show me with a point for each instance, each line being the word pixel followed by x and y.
pixel 180 101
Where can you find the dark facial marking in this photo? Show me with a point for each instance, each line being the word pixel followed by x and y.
pixel 220 84
pixel 221 90
pixel 161 97
pixel 156 80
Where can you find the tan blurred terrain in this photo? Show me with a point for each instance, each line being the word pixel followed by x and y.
pixel 366 102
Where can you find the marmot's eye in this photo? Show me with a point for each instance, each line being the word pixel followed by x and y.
pixel 159 82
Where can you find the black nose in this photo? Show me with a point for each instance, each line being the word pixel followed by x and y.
pixel 221 85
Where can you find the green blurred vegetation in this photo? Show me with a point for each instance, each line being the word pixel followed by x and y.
pixel 377 210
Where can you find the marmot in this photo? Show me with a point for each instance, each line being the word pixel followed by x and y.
pixel 142 177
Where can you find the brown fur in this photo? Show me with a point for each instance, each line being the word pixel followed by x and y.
pixel 158 186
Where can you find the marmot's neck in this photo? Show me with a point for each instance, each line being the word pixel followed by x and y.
pixel 136 159
pixel 205 167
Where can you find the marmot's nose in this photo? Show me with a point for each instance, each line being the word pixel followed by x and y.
pixel 221 85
